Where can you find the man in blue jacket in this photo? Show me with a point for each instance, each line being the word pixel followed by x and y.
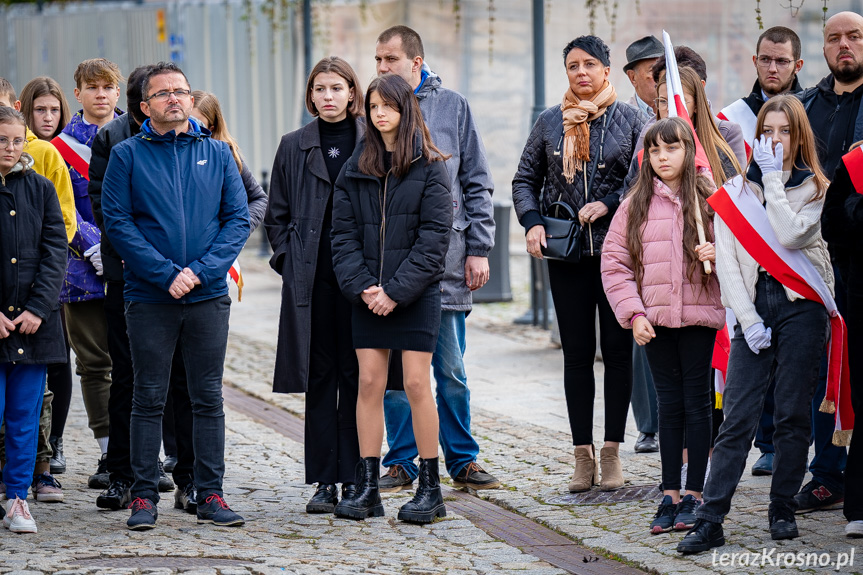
pixel 175 209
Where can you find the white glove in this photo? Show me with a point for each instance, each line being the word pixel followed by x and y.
pixel 767 158
pixel 95 256
pixel 757 337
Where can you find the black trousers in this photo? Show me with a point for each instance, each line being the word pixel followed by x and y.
pixel 680 360
pixel 60 384
pixel 120 399
pixel 577 293
pixel 331 443
pixel 854 466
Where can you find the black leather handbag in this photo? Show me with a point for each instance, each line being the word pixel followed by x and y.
pixel 563 233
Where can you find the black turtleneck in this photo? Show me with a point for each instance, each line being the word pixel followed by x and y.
pixel 337 144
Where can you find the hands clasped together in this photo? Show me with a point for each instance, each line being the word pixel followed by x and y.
pixel 378 301
pixel 27 323
pixel 185 282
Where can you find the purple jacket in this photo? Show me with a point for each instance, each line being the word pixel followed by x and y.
pixel 81 282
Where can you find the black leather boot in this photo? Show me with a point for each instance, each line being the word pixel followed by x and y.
pixel 366 499
pixel 324 500
pixel 428 501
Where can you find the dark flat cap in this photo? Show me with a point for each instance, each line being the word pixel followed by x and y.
pixel 647 47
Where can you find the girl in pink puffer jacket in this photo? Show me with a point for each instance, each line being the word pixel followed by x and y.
pixel 654 276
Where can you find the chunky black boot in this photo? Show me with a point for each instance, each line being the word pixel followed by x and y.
pixel 366 499
pixel 428 501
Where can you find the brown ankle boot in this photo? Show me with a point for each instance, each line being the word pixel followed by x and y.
pixel 585 473
pixel 612 472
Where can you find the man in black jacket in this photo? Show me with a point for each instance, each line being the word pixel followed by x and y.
pixel 835 112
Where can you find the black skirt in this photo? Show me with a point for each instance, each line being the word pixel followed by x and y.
pixel 413 327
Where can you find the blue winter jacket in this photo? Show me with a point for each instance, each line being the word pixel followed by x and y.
pixel 172 201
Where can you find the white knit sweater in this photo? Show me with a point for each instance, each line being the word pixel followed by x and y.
pixel 797 224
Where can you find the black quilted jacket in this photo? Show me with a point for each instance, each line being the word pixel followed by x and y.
pixel 539 180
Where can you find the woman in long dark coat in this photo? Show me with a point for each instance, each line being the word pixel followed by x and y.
pixel 315 352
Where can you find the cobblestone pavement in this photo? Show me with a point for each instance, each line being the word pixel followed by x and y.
pixel 519 419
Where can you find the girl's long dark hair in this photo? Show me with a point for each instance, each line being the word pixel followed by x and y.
pixel 396 92
pixel 693 194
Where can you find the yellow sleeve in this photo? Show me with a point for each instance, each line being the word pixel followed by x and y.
pixel 58 173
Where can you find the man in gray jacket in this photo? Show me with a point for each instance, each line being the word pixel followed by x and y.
pixel 399 50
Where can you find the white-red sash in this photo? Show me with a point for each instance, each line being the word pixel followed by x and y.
pixel 74 153
pixel 740 113
pixel 747 219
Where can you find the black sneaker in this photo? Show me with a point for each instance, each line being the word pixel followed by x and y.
pixel 394 480
pixel 685 517
pixel 324 500
pixel 117 496
pixel 186 498
pixel 57 463
pixel 815 496
pixel 101 479
pixel 165 483
pixel 144 515
pixel 663 521
pixel 646 443
pixel 704 535
pixel 475 477
pixel 783 525
pixel 214 510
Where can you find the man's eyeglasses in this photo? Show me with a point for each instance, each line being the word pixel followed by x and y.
pixel 781 63
pixel 17 143
pixel 164 95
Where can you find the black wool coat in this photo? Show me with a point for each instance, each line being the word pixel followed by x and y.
pixel 300 190
pixel 32 266
pixel 413 216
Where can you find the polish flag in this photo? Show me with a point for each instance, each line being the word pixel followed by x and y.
pixel 237 275
pixel 740 113
pixel 675 96
pixel 744 215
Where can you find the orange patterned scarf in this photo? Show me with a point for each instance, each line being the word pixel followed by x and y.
pixel 576 114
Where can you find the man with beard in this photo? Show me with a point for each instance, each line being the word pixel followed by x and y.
pixel 175 209
pixel 834 110
pixel 777 63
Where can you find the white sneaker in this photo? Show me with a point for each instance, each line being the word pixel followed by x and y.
pixel 854 529
pixel 18 518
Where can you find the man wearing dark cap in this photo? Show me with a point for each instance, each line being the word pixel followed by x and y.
pixel 640 56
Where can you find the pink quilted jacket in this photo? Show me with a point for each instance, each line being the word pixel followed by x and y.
pixel 667 297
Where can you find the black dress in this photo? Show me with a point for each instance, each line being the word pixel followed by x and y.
pixel 404 251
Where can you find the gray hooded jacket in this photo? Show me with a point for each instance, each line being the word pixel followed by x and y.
pixel 453 130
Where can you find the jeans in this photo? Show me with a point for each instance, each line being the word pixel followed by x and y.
pixel 453 405
pixel 21 390
pixel 644 407
pixel 122 378
pixel 578 294
pixel 154 331
pixel 680 361
pixel 765 429
pixel 792 360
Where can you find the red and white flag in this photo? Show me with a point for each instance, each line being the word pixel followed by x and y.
pixel 74 153
pixel 236 274
pixel 740 113
pixel 676 101
pixel 744 215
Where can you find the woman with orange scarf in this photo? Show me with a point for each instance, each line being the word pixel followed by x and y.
pixel 578 152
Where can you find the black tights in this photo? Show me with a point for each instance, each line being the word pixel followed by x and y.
pixel 577 292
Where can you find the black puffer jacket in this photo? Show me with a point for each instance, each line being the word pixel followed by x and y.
pixel 32 264
pixel 539 180
pixel 417 210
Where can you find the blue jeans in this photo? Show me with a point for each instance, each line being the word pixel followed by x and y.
pixel 643 392
pixel 453 406
pixel 792 361
pixel 21 391
pixel 154 331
